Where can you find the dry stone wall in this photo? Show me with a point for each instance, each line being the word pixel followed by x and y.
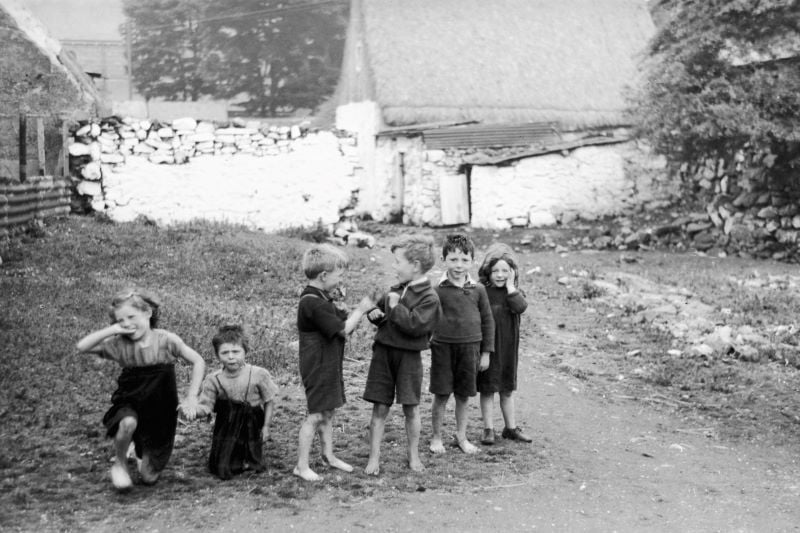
pixel 263 176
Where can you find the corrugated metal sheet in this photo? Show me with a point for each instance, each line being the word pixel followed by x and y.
pixel 36 200
pixel 481 159
pixel 492 135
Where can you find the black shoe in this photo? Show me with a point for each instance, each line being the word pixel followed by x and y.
pixel 516 434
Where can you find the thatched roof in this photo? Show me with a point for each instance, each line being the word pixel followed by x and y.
pixel 498 61
pixel 22 26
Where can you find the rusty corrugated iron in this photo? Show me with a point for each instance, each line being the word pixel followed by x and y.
pixel 492 135
pixel 35 200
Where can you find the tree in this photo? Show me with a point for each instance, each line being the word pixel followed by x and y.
pixel 167 46
pixel 722 74
pixel 283 57
pixel 274 55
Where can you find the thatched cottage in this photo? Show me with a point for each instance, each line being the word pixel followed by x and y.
pixel 498 113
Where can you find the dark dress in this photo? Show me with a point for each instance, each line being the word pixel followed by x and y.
pixel 236 441
pixel 501 376
pixel 320 325
pixel 149 394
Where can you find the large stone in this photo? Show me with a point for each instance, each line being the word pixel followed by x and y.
pixel 92 171
pixel 78 149
pixel 704 240
pixel 538 219
pixel 767 212
pixel 90 188
pixel 184 124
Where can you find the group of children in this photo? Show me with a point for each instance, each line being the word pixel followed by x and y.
pixel 471 328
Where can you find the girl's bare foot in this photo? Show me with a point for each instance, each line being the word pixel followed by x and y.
pixel 467 447
pixel 120 477
pixel 307 474
pixel 335 462
pixel 437 446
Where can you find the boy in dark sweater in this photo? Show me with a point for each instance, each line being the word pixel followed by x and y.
pixel 464 333
pixel 405 317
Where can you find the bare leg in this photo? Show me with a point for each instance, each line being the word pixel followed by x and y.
pixel 461 425
pixel 306 438
pixel 120 477
pixel 507 408
pixel 326 435
pixel 437 417
pixel 376 425
pixel 412 435
pixel 487 409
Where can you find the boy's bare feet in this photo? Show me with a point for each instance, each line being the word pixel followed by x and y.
pixel 416 465
pixel 437 446
pixel 335 462
pixel 467 447
pixel 120 477
pixel 373 468
pixel 148 474
pixel 306 474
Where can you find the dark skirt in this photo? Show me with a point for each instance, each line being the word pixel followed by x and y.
pixel 150 395
pixel 237 439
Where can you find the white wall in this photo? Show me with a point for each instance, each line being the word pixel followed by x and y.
pixel 589 182
pixel 363 118
pixel 310 183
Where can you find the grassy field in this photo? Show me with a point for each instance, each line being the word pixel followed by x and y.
pixel 56 280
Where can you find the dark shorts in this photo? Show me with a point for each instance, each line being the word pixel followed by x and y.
pixel 501 376
pixel 454 367
pixel 394 373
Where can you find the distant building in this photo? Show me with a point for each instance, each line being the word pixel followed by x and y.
pixel 91 30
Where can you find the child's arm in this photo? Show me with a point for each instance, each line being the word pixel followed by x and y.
pixel 189 404
pixel 91 342
pixel 515 299
pixel 487 322
pixel 417 321
pixel 353 320
pixel 269 409
pixel 207 399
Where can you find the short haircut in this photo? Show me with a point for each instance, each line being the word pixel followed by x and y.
pixel 323 258
pixel 416 248
pixel 458 242
pixel 139 299
pixel 230 334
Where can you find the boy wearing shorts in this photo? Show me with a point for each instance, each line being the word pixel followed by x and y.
pixel 462 340
pixel 405 317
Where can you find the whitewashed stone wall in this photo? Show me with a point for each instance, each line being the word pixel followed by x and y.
pixel 313 182
pixel 588 183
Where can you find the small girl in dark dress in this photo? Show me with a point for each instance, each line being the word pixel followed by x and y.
pixel 500 274
pixel 242 396
pixel 144 406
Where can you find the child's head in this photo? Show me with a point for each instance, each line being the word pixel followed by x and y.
pixel 413 256
pixel 230 346
pixel 498 261
pixel 230 334
pixel 135 306
pixel 458 242
pixel 458 254
pixel 324 263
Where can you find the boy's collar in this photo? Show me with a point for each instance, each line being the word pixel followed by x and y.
pixel 468 281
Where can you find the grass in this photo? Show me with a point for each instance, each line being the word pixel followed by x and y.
pixel 55 283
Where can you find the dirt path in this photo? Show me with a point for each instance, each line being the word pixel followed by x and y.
pixel 608 463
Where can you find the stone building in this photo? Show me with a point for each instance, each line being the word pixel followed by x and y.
pixel 502 113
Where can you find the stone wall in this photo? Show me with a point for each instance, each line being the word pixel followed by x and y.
pixel 587 183
pixel 261 176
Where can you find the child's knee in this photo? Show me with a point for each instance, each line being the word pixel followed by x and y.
pixel 127 426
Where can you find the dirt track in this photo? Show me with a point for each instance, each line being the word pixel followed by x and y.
pixel 609 462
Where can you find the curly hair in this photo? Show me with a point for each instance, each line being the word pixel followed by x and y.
pixel 458 242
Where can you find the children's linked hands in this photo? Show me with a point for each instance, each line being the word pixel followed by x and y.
pixel 188 409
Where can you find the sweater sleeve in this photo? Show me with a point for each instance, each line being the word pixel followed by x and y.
pixel 208 396
pixel 266 387
pixel 418 321
pixel 487 321
pixel 517 303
